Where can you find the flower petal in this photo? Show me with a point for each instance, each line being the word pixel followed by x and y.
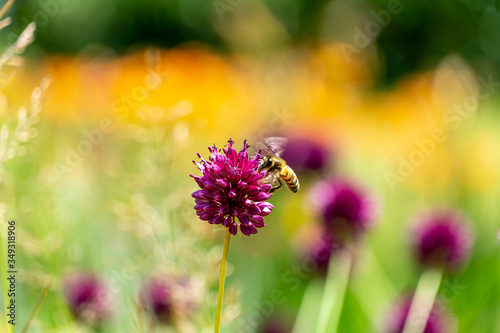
pixel 245 229
pixel 243 218
pixel 252 228
pixel 257 220
pixel 233 228
pixel 253 190
pixel 216 220
pixel 227 221
pixel 253 209
pixel 261 196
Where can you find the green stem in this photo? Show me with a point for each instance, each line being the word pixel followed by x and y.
pixel 5 8
pixel 423 301
pixel 308 308
pixel 222 279
pixel 37 307
pixel 335 288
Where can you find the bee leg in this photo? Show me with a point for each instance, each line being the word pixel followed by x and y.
pixel 276 186
pixel 268 179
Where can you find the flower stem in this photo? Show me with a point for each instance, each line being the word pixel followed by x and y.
pixel 423 301
pixel 222 279
pixel 309 307
pixel 333 296
pixel 38 304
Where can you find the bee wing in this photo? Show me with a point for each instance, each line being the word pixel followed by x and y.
pixel 264 149
pixel 276 145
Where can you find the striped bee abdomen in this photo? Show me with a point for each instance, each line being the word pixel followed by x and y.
pixel 290 178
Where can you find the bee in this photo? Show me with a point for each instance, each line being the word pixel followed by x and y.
pixel 276 167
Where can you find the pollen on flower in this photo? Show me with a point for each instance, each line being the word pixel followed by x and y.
pixel 232 193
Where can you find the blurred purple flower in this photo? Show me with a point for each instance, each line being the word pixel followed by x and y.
pixel 166 297
pixel 436 323
pixel 231 187
pixel 88 298
pixel 304 155
pixel 157 298
pixel 321 251
pixel 345 209
pixel 276 324
pixel 442 239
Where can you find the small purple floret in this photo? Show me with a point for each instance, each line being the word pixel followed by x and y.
pixel 232 192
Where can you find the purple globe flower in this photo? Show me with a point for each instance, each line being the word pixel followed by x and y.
pixel 345 209
pixel 442 239
pixel 304 155
pixel 232 192
pixel 166 296
pixel 157 298
pixel 88 298
pixel 436 322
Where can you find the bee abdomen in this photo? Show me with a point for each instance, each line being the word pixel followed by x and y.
pixel 290 178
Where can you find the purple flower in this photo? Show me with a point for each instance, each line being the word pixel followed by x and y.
pixel 345 209
pixel 322 249
pixel 277 324
pixel 436 323
pixel 166 296
pixel 442 239
pixel 232 192
pixel 157 298
pixel 88 298
pixel 303 154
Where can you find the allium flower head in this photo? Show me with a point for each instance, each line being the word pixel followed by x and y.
pixel 345 209
pixel 436 323
pixel 167 296
pixel 442 239
pixel 157 298
pixel 88 298
pixel 306 155
pixel 232 192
